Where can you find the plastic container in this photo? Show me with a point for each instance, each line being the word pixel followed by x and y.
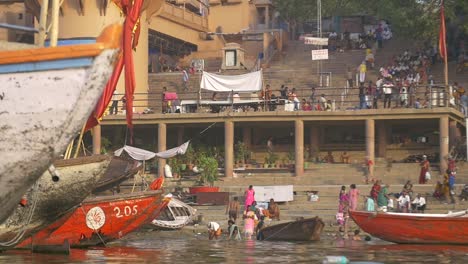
pixel 335 260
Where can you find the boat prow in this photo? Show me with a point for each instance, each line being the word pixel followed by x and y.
pixel 407 228
pixel 49 200
pixel 308 229
pixel 47 96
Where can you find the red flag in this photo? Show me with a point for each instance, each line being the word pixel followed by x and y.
pixel 442 33
pixel 132 12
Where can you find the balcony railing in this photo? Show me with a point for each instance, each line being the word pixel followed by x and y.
pixel 181 15
pixel 335 99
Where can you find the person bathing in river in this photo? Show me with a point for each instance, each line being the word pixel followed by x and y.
pixel 233 230
pixel 233 209
pixel 214 230
pixel 273 210
pixel 249 223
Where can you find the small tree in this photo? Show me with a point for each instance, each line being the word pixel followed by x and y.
pixel 209 170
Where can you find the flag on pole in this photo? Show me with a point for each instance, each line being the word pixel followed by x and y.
pixel 442 33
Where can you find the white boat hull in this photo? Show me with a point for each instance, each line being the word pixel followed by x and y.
pixel 41 111
pixel 176 215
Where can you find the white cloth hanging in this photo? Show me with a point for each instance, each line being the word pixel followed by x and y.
pixel 141 154
pixel 226 83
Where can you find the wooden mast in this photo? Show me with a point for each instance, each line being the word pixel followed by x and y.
pixel 54 23
pixel 43 23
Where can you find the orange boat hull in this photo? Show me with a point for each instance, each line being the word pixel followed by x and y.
pixel 409 229
pixel 102 219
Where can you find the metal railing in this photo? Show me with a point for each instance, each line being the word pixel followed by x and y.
pixel 334 99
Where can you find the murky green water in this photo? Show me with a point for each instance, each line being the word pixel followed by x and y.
pixel 164 247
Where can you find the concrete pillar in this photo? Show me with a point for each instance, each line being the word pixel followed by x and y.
pixel 162 137
pixel 228 148
pixel 314 141
pixel 452 133
pixel 381 140
pixel 370 144
pixel 267 17
pixel 247 136
pixel 299 147
pixel 96 131
pixel 444 142
pixel 180 136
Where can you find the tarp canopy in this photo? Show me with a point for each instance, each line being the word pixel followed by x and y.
pixel 248 82
pixel 141 154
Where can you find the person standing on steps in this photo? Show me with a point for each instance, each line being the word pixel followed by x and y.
pixel 353 197
pixel 424 170
pixel 249 197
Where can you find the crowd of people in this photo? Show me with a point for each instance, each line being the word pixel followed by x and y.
pixel 254 217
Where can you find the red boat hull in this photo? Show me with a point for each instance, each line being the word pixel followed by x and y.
pixel 102 219
pixel 409 229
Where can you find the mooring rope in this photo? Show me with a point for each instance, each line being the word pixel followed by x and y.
pixel 274 234
pixel 15 240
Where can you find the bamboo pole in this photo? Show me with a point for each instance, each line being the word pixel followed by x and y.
pixel 55 23
pixel 43 23
pixel 79 141
pixel 69 150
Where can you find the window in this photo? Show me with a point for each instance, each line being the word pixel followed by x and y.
pixel 231 58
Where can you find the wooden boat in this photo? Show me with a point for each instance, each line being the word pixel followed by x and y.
pixel 49 200
pixel 119 170
pixel 101 219
pixel 176 215
pixel 308 229
pixel 407 228
pixel 47 95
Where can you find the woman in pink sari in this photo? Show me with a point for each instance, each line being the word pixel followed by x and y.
pixel 353 197
pixel 249 197
pixel 249 222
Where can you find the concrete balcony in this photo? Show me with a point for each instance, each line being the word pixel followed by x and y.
pixel 185 17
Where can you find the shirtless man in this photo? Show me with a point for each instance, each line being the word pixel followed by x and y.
pixel 233 209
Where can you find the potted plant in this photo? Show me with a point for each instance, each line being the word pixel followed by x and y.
pixel 175 166
pixel 306 158
pixel 291 158
pixel 265 164
pixel 208 166
pixel 272 158
pixel 284 161
pixel 189 157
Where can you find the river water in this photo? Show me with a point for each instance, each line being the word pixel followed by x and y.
pixel 171 247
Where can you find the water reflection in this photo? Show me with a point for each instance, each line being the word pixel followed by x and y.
pixel 151 248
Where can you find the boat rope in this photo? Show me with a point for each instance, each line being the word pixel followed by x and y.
pixel 274 234
pixel 19 236
pixel 94 227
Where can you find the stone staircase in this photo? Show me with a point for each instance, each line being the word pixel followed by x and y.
pixel 326 179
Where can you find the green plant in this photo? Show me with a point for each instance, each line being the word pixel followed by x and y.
pixel 175 165
pixel 291 155
pixel 272 158
pixel 189 155
pixel 209 170
pixel 240 154
pixel 105 145
pixel 284 159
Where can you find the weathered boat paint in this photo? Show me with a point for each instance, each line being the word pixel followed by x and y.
pixel 41 111
pixel 414 228
pixel 101 219
pixel 50 199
